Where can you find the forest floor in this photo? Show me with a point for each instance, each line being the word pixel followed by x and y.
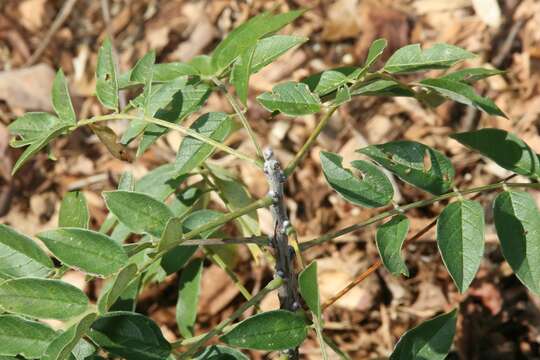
pixel 499 318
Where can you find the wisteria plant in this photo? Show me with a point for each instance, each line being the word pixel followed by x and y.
pixel 163 224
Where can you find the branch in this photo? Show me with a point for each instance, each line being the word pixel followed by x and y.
pixel 289 298
pixel 183 130
pixel 327 237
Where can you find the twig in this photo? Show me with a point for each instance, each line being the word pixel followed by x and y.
pixel 237 109
pixel 310 141
pixel 327 237
pixel 289 298
pixel 378 263
pixel 58 21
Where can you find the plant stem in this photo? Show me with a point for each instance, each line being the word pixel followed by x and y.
pixel 309 142
pixel 237 109
pixel 327 237
pixel 271 286
pixel 183 130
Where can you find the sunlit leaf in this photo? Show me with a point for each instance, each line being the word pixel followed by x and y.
pixel 74 211
pixel 106 79
pixel 290 98
pixel 24 337
pixel 61 100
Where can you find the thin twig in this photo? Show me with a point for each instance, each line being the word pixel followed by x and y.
pixel 183 130
pixel 378 263
pixel 237 109
pixel 58 21
pixel 309 142
pixel 327 237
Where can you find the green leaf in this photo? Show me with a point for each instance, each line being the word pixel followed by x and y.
pixel 374 53
pixel 373 190
pixel 343 95
pixel 290 98
pixel 203 65
pixel 269 331
pixel 42 298
pixel 87 250
pixel 270 48
pixel 166 72
pixel 240 74
pixel 140 212
pixel 471 75
pixel 39 144
pixel 130 335
pixel 412 58
pixel 60 348
pixel 390 238
pixel 511 152
pixel 189 288
pixel 120 283
pixel 460 237
pixel 61 101
pixel 382 87
pixel 415 163
pixel 21 256
pixel 184 102
pixel 143 70
pixel 430 340
pixel 236 196
pixel 23 337
pixel 172 234
pixel 160 182
pixel 517 221
pixel 106 80
pixel 246 36
pixel 330 80
pixel 462 93
pixel 193 152
pixel 309 288
pixel 74 211
pixel 84 350
pixel 220 352
pixel 175 258
pixel 31 126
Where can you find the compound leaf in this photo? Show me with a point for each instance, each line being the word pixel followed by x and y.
pixel 290 98
pixel 510 152
pixel 269 331
pixel 415 163
pixel 91 251
pixel 430 340
pixel 517 221
pixel 460 237
pixel 412 58
pixel 42 298
pixel 390 238
pixel 373 190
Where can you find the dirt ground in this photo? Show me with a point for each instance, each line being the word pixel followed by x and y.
pixel 499 318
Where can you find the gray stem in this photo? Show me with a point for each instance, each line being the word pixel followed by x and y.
pixel 288 292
